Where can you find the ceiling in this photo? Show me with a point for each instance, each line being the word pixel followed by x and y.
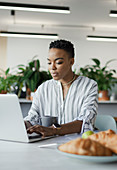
pixel 85 14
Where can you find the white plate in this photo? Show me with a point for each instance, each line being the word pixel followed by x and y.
pixel 98 159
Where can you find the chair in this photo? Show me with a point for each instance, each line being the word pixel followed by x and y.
pixel 105 122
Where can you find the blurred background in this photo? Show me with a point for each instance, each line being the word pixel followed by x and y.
pixel 87 17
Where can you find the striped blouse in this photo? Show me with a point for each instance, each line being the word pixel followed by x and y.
pixel 80 103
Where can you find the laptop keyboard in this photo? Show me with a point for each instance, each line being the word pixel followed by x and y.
pixel 34 136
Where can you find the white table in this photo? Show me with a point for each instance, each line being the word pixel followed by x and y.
pixel 23 156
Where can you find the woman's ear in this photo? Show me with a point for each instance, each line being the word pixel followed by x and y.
pixel 71 61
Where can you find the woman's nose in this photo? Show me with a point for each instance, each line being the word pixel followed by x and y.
pixel 53 66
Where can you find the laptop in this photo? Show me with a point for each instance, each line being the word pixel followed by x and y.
pixel 12 127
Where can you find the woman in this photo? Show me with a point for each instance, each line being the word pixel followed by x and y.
pixel 71 97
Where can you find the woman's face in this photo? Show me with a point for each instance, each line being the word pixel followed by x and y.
pixel 59 63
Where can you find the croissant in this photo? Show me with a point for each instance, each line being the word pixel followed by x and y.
pixel 106 138
pixel 109 131
pixel 88 147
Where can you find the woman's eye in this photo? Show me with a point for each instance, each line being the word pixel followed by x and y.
pixel 59 62
pixel 49 63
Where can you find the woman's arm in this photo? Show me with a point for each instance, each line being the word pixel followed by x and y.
pixel 68 128
pixel 33 114
pixel 89 109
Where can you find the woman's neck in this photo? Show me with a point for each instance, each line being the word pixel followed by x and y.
pixel 69 82
pixel 66 83
pixel 66 86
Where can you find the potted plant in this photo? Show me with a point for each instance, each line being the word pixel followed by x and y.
pixel 102 75
pixel 7 81
pixel 32 76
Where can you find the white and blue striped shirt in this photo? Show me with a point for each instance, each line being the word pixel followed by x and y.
pixel 80 103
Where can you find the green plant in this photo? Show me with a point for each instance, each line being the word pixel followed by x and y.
pixel 102 75
pixel 31 74
pixel 7 81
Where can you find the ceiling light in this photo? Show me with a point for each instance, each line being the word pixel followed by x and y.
pixel 101 38
pixel 113 13
pixel 28 35
pixel 34 8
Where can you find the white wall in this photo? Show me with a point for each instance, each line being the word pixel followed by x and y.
pixel 20 51
pixel 3 55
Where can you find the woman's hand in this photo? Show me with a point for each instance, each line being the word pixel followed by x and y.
pixel 27 124
pixel 44 131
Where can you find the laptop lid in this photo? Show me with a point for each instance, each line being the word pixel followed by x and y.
pixel 12 125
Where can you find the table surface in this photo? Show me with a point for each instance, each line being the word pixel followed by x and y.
pixel 28 156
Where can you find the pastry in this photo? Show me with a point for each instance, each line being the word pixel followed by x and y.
pixel 106 138
pixel 109 131
pixel 88 147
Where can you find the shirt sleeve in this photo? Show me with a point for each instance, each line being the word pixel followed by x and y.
pixel 89 109
pixel 33 114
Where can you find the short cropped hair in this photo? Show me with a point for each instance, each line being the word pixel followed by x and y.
pixel 65 45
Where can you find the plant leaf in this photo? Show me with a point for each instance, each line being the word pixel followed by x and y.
pixel 7 71
pixel 109 62
pixel 96 61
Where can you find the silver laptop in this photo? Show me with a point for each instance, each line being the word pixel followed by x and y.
pixel 12 125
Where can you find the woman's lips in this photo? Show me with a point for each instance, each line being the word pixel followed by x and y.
pixel 54 74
